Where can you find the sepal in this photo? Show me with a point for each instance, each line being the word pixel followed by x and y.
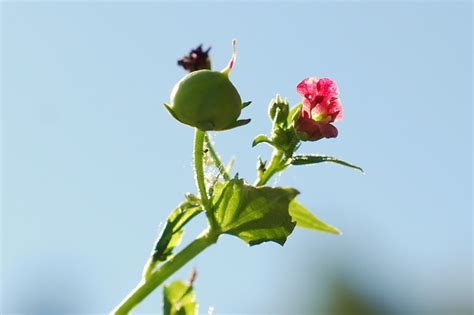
pixel 238 123
pixel 171 111
pixel 245 104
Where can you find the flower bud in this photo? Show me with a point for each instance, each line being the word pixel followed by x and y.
pixel 278 108
pixel 207 100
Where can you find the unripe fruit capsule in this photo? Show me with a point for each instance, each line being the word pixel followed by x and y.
pixel 207 100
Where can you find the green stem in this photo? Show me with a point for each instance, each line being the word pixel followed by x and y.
pixel 144 288
pixel 199 136
pixel 277 164
pixel 207 238
pixel 216 159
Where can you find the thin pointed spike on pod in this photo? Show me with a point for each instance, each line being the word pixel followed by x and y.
pixel 245 104
pixel 232 60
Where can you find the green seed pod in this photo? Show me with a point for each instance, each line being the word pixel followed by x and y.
pixel 207 100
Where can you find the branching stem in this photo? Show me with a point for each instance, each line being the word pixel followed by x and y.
pixel 277 164
pixel 207 238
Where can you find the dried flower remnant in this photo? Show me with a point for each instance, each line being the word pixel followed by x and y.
pixel 198 59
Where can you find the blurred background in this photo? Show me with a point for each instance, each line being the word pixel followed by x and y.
pixel 92 162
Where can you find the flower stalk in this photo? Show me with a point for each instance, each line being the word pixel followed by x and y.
pixel 278 163
pixel 199 137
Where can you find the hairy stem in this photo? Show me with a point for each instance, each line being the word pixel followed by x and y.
pixel 199 167
pixel 277 164
pixel 207 238
pixel 216 159
pixel 144 288
pixel 199 137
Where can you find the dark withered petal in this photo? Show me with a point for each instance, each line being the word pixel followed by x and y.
pixel 197 59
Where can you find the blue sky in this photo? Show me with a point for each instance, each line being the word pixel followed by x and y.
pixel 92 163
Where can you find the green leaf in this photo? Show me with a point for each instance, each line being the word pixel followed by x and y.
pixel 254 214
pixel 305 219
pixel 260 139
pixel 315 158
pixel 172 231
pixel 179 299
pixel 293 114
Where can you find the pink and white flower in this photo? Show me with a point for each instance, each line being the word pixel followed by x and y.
pixel 321 107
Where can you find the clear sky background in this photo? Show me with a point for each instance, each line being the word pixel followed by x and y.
pixel 92 162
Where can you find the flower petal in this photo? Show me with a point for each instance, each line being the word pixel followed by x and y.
pixel 336 110
pixel 309 127
pixel 307 108
pixel 308 88
pixel 327 88
pixel 315 130
pixel 328 130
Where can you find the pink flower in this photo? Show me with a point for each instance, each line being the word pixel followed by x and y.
pixel 321 107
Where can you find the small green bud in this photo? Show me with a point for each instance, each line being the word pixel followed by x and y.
pixel 294 114
pixel 278 107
